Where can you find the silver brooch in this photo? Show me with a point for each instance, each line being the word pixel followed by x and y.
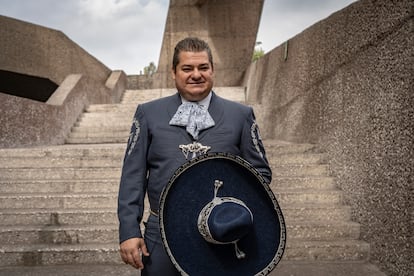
pixel 194 148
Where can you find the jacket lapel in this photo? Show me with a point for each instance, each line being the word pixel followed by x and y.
pixel 173 105
pixel 216 108
pixel 216 111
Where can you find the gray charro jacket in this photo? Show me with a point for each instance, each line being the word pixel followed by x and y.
pixel 153 152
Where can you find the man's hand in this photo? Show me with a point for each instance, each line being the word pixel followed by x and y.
pixel 131 251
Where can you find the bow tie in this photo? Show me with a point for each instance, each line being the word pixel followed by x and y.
pixel 194 117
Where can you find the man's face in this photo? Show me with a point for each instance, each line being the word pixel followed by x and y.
pixel 193 75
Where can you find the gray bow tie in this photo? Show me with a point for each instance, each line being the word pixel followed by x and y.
pixel 194 117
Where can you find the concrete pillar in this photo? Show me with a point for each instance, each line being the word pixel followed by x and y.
pixel 230 28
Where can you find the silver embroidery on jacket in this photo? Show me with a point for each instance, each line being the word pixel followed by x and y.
pixel 133 136
pixel 255 134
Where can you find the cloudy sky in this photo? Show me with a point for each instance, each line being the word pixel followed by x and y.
pixel 127 34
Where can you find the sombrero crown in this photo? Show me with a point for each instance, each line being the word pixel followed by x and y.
pixel 225 220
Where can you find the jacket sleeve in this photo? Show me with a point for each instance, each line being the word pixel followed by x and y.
pixel 252 148
pixel 133 182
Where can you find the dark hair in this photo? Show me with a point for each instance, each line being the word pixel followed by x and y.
pixel 191 44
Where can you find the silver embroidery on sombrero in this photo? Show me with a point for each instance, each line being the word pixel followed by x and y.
pixel 133 136
pixel 195 148
pixel 204 215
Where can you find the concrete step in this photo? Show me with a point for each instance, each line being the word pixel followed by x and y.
pixel 112 185
pixel 325 268
pixel 105 122
pixel 61 162
pixel 275 147
pixel 102 269
pixel 295 170
pixel 107 215
pixel 58 216
pixel 317 183
pixel 96 108
pixel 316 212
pixel 108 149
pixel 95 140
pixel 87 233
pixel 59 186
pixel 58 201
pixel 321 230
pixel 126 127
pixel 333 250
pixel 40 254
pixel 63 254
pixel 297 158
pixel 120 128
pixel 301 196
pixel 106 199
pixel 109 117
pixel 103 132
pixel 284 268
pixel 98 150
pixel 60 173
pixel 58 234
pixel 107 134
pixel 119 114
pixel 144 95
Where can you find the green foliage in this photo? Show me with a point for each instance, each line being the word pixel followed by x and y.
pixel 150 69
pixel 258 51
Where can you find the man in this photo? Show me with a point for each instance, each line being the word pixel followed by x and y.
pixel 170 131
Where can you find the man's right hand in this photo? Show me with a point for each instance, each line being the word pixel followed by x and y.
pixel 131 251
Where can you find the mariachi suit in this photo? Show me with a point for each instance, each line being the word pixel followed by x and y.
pixel 153 154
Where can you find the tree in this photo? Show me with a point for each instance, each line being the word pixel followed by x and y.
pixel 150 69
pixel 258 51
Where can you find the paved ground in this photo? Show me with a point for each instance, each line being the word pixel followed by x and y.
pixel 283 269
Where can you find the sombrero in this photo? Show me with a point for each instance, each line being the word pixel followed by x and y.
pixel 218 216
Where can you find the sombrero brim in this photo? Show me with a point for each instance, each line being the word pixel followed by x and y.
pixel 190 189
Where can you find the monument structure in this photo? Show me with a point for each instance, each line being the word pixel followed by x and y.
pixel 341 91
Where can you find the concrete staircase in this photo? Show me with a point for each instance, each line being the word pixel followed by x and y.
pixel 58 203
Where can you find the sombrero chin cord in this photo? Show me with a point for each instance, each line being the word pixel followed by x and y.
pixel 239 254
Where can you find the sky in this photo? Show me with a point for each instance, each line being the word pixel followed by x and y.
pixel 127 34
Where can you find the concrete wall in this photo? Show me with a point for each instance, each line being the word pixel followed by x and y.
pixel 25 122
pixel 38 51
pixel 229 28
pixel 41 52
pixel 347 85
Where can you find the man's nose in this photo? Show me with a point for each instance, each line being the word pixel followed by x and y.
pixel 196 74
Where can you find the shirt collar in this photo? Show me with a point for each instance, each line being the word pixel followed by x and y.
pixel 205 103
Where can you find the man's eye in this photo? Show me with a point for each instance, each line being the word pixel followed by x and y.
pixel 186 69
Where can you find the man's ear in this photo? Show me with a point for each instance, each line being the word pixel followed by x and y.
pixel 173 73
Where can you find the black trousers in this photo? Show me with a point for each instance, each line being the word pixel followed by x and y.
pixel 157 263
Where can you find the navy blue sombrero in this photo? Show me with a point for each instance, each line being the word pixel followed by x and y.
pixel 218 216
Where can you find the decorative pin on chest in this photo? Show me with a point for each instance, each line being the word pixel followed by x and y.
pixel 193 149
